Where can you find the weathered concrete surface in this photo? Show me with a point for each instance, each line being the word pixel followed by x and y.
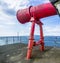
pixel 50 55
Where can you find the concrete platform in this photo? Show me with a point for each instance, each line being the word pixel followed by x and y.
pixel 17 54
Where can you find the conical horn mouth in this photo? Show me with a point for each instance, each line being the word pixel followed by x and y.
pixel 56 4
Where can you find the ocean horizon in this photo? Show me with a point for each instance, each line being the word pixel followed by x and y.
pixel 48 40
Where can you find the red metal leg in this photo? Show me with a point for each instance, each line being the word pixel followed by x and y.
pixel 31 40
pixel 41 37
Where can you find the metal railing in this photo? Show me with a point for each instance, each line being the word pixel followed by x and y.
pixel 20 39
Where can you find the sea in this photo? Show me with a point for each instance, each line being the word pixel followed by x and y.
pixel 48 40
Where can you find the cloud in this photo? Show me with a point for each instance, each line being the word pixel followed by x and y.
pixel 1 26
pixel 5 8
pixel 4 18
pixel 10 11
pixel 8 22
pixel 15 4
pixel 7 33
pixel 52 31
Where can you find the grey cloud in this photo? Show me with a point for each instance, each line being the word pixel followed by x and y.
pixel 6 9
pixel 9 11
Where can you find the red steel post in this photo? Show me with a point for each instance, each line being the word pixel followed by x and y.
pixel 41 36
pixel 31 40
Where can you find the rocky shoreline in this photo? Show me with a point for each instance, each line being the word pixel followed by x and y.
pixel 7 51
pixel 16 53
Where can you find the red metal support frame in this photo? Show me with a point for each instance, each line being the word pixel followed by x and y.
pixel 41 36
pixel 37 12
pixel 41 41
pixel 31 40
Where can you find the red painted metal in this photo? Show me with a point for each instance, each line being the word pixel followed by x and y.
pixel 40 11
pixel 31 40
pixel 23 15
pixel 43 10
pixel 37 12
pixel 41 37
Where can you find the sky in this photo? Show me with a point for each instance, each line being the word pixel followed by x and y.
pixel 9 25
